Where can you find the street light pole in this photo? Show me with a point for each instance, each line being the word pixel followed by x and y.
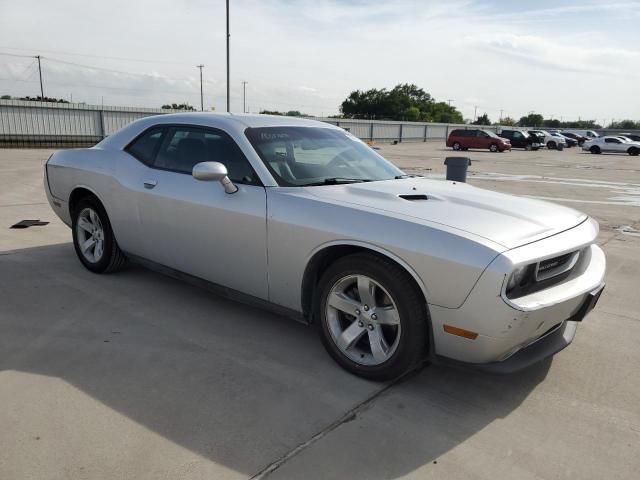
pixel 201 96
pixel 40 72
pixel 244 96
pixel 475 112
pixel 228 85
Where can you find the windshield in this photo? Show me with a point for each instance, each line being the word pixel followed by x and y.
pixel 491 134
pixel 305 156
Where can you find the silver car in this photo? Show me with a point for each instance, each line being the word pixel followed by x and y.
pixel 304 218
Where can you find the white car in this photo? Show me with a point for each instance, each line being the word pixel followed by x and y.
pixel 551 141
pixel 611 144
pixel 583 133
pixel 304 218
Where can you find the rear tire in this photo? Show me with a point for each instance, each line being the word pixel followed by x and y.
pixel 93 237
pixel 457 146
pixel 633 151
pixel 551 145
pixel 595 150
pixel 385 335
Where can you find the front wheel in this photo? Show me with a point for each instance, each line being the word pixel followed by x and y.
pixel 493 148
pixel 551 145
pixel 372 317
pixel 595 150
pixel 93 238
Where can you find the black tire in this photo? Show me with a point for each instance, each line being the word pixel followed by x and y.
pixel 112 258
pixel 412 343
pixel 633 151
pixel 457 146
pixel 493 147
pixel 551 145
pixel 528 148
pixel 595 150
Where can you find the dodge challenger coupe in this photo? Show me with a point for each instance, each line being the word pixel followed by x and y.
pixel 302 217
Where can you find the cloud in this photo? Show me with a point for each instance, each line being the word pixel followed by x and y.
pixel 556 55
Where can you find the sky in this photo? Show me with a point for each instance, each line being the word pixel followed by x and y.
pixel 565 60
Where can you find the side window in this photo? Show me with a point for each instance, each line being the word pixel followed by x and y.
pixel 612 140
pixel 518 135
pixel 456 133
pixel 184 147
pixel 144 147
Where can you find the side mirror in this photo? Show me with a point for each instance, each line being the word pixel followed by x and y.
pixel 214 172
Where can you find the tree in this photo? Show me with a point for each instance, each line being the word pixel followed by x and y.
pixel 531 120
pixel 551 123
pixel 403 102
pixel 508 122
pixel 176 106
pixel 45 99
pixel 5 97
pixel 290 113
pixel 482 120
pixel 625 124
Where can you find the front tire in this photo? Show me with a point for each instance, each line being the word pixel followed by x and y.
pixel 551 145
pixel 493 148
pixel 372 317
pixel 93 238
pixel 595 150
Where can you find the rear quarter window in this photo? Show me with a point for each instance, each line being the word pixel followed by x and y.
pixel 146 145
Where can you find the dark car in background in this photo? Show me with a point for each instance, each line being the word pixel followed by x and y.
pixel 461 139
pixel 632 136
pixel 578 138
pixel 521 139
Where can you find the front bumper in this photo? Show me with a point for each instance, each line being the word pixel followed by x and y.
pixel 505 327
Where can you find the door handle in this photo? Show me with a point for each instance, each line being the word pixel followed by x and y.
pixel 150 184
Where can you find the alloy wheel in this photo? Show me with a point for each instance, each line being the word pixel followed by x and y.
pixel 90 233
pixel 363 320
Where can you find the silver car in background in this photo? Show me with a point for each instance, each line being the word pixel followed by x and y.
pixel 304 218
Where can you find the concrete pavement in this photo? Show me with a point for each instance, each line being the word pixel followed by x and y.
pixel 136 375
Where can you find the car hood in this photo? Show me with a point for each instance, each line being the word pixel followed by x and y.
pixel 507 220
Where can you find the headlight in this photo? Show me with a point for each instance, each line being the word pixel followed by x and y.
pixel 518 277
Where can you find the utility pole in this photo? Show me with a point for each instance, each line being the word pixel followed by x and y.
pixel 40 72
pixel 228 85
pixel 501 115
pixel 475 112
pixel 244 96
pixel 449 100
pixel 201 97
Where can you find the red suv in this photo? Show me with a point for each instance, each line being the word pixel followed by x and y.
pixel 476 138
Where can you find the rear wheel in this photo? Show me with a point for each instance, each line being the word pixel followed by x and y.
pixel 372 317
pixel 633 151
pixel 457 146
pixel 493 147
pixel 595 149
pixel 93 237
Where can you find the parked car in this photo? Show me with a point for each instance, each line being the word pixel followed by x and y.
pixel 584 133
pixel 611 144
pixel 632 136
pixel 461 139
pixel 571 142
pixel 304 218
pixel 539 136
pixel 520 139
pixel 579 138
pixel 552 142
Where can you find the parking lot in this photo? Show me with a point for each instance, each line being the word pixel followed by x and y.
pixel 136 375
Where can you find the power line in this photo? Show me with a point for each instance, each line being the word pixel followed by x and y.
pixel 59 52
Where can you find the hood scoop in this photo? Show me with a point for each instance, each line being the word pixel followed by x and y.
pixel 415 197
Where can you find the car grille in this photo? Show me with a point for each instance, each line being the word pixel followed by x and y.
pixel 555 266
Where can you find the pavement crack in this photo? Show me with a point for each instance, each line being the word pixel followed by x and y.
pixel 349 416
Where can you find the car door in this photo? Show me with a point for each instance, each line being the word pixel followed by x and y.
pixel 613 145
pixel 194 226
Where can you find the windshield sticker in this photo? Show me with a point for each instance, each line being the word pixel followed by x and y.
pixel 273 136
